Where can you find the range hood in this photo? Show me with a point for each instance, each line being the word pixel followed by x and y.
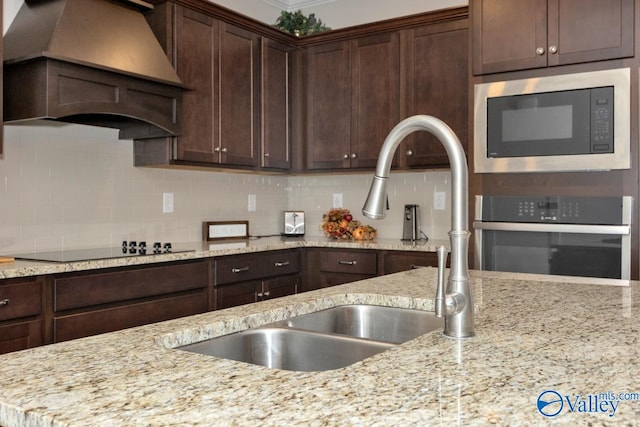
pixel 93 62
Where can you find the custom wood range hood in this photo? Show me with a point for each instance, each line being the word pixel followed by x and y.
pixel 93 62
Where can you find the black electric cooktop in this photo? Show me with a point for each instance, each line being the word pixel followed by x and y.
pixel 74 255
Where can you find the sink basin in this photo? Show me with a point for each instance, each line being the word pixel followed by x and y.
pixel 388 324
pixel 289 349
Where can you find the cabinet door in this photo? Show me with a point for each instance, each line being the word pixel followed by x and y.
pixel 279 287
pixel 237 294
pixel 375 95
pixel 21 323
pixel 1 80
pixel 196 46
pixel 20 336
pixel 436 61
pixel 589 30
pixel 328 106
pixel 239 70
pixel 276 143
pixel 507 35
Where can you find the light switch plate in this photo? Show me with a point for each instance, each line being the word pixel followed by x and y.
pixel 217 230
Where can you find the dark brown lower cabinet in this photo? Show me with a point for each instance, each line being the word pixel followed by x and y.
pixel 257 290
pixel 21 324
pixel 396 261
pixel 109 300
pixel 45 309
pixel 329 267
pixel 248 278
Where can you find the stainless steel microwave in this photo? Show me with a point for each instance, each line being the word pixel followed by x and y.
pixel 570 122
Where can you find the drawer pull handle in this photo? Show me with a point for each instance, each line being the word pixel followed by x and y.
pixel 347 262
pixel 4 302
pixel 240 270
pixel 282 263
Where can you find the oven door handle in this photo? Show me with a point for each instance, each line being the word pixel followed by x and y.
pixel 621 230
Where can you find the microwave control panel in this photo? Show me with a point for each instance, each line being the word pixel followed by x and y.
pixel 602 120
pixel 553 209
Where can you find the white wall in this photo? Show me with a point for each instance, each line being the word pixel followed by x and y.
pixel 73 186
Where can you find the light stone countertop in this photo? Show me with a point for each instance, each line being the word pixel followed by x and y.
pixel 534 333
pixel 196 250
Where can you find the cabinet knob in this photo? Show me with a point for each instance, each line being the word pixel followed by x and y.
pixel 266 154
pixel 224 150
pixel 553 49
pixel 266 294
pixel 409 153
pixel 4 302
pixel 354 156
pixel 346 156
pixel 216 150
pixel 540 51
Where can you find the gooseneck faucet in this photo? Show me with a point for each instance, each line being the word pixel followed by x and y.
pixel 456 305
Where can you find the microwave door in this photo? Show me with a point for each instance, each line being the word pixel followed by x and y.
pixel 544 124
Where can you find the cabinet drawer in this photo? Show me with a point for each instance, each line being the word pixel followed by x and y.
pixel 403 261
pixel 349 262
pixel 94 289
pixel 280 263
pixel 113 319
pixel 20 300
pixel 237 268
pixel 20 336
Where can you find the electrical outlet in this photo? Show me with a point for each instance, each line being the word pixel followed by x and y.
pixel 439 199
pixel 251 204
pixel 337 200
pixel 167 202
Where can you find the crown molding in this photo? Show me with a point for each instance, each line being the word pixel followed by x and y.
pixel 290 5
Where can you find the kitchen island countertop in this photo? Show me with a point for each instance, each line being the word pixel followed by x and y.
pixel 197 250
pixel 568 336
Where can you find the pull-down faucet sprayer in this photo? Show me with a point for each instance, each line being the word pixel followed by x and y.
pixel 456 305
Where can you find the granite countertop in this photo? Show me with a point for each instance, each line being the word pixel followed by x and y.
pixel 571 337
pixel 196 250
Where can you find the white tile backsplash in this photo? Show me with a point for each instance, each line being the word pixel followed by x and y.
pixel 73 186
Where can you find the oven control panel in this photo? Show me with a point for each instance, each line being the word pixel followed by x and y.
pixel 553 209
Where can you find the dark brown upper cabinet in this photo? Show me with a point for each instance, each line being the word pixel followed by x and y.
pixel 353 100
pixel 276 104
pixel 516 35
pixel 220 62
pixel 220 65
pixel 437 75
pixel 1 89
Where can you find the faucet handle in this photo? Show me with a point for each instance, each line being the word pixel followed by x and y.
pixel 440 305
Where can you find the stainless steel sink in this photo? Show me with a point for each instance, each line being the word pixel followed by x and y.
pixel 324 340
pixel 388 324
pixel 289 349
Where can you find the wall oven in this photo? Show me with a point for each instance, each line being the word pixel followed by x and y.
pixel 563 235
pixel 571 122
